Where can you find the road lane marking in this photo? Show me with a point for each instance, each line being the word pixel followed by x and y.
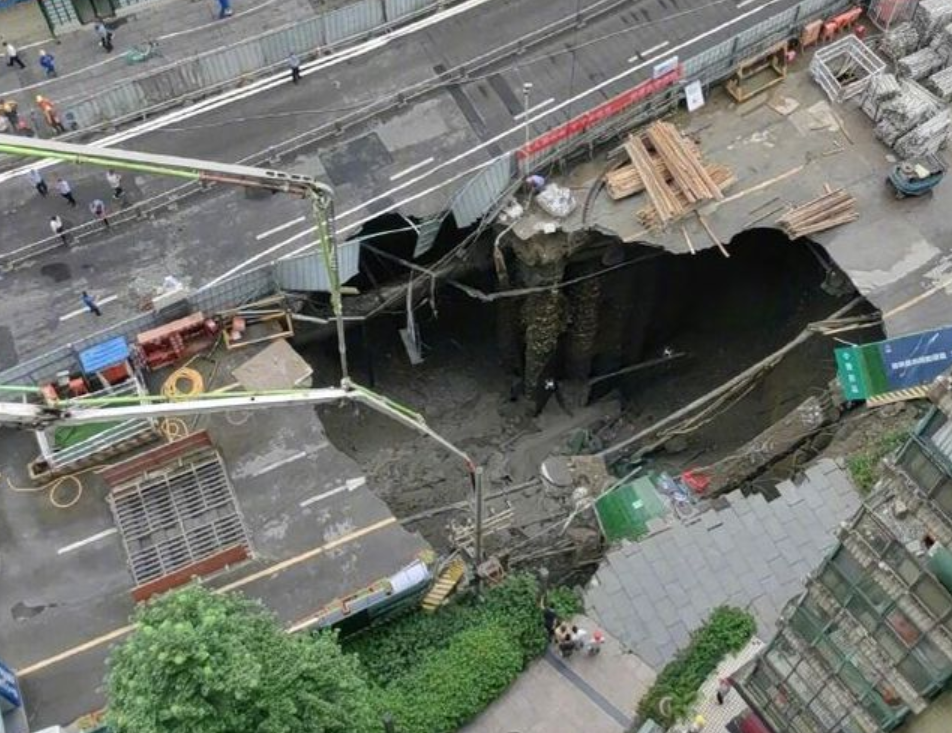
pixel 650 52
pixel 281 228
pixel 350 485
pixel 80 311
pixel 534 108
pixel 414 167
pixel 88 541
pixel 241 582
pixel 277 464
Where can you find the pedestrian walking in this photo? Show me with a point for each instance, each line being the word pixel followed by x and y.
pixel 10 110
pixel 36 178
pixel 105 35
pixel 551 619
pixel 59 228
pixel 66 191
pixel 115 183
pixel 98 209
pixel 13 56
pixel 90 302
pixel 50 114
pixel 48 62
pixel 294 63
pixel 225 9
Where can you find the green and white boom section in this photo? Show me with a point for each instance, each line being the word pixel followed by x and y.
pixel 38 415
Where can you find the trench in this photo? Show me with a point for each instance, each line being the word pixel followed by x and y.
pixel 628 304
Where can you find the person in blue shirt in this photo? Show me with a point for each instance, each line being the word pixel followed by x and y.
pixel 48 62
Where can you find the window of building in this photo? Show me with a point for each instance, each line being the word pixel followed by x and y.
pixel 919 467
pixel 933 422
pixel 903 626
pixel 903 563
pixel 805 624
pixel 849 566
pixel 932 658
pixel 916 674
pixel 933 595
pixel 874 593
pixel 943 497
pixel 863 612
pixel 834 582
pixel 888 641
pixel 871 531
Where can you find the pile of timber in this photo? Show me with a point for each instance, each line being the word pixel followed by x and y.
pixel 671 170
pixel 833 208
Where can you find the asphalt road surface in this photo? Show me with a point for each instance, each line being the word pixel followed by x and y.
pixel 399 160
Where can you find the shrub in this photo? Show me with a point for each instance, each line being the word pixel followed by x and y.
pixel 865 467
pixel 454 685
pixel 565 601
pixel 727 630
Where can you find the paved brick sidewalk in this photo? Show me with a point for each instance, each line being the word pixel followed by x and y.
pixel 183 28
pixel 554 695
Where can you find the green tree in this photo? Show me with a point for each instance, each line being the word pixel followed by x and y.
pixel 198 661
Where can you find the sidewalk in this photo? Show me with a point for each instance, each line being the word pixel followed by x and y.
pixel 554 695
pixel 183 28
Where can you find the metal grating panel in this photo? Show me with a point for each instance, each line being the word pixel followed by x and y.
pixel 482 191
pixel 308 273
pixel 170 520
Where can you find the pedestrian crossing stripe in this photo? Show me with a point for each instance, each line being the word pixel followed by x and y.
pixel 899 395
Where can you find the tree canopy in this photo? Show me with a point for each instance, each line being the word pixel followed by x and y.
pixel 200 661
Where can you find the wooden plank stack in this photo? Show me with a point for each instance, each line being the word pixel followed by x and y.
pixel 832 209
pixel 671 170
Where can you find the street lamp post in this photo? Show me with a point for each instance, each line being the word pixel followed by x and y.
pixel 526 91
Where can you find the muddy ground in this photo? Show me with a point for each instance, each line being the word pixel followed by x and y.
pixel 726 314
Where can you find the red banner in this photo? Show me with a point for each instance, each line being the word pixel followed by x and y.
pixel 603 111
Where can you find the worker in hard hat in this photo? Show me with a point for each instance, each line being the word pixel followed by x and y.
pixel 50 114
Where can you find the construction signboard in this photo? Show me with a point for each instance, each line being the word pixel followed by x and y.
pixel 894 369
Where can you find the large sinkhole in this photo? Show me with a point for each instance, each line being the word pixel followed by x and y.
pixel 694 320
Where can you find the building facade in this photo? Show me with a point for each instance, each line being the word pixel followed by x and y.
pixel 868 645
pixel 30 21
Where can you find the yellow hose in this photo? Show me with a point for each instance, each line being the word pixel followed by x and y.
pixel 196 384
pixel 173 428
pixel 54 487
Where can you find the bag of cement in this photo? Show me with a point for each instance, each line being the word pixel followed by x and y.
pixel 899 41
pixel 556 201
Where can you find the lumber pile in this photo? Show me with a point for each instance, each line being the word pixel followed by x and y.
pixel 671 170
pixel 723 177
pixel 832 209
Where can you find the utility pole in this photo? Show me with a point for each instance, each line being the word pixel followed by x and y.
pixel 478 531
pixel 526 91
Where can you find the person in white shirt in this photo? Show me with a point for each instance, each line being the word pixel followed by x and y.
pixel 65 190
pixel 13 56
pixel 36 178
pixel 115 183
pixel 59 228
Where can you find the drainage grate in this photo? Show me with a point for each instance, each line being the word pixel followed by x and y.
pixel 171 520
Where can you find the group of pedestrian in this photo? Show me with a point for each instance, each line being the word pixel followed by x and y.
pixel 97 207
pixel 569 638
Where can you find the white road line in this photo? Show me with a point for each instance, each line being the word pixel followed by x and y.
pixel 414 167
pixel 651 51
pixel 534 108
pixel 286 225
pixel 283 462
pixel 350 485
pixel 80 311
pixel 340 228
pixel 88 541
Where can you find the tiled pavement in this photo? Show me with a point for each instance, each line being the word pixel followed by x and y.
pixel 753 554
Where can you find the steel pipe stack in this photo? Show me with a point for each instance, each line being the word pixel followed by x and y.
pixel 930 16
pixel 925 139
pixel 909 109
pixel 920 64
pixel 899 41
pixel 940 84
